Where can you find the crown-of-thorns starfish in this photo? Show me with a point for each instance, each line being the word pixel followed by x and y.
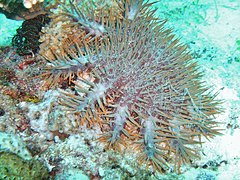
pixel 140 85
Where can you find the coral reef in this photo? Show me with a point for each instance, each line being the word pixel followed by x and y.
pixel 138 83
pixel 72 174
pixel 12 119
pixel 16 75
pixel 30 3
pixel 13 167
pixel 38 114
pixel 6 75
pixel 14 144
pixel 120 81
pixel 2 112
pixel 96 162
pixel 11 7
pixel 26 9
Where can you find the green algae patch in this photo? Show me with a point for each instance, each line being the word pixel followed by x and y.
pixel 14 167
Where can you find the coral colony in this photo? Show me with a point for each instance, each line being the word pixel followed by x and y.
pixel 118 68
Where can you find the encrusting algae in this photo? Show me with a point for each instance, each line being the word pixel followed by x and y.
pixel 14 167
pixel 133 78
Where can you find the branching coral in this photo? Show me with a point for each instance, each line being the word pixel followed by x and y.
pixel 139 84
